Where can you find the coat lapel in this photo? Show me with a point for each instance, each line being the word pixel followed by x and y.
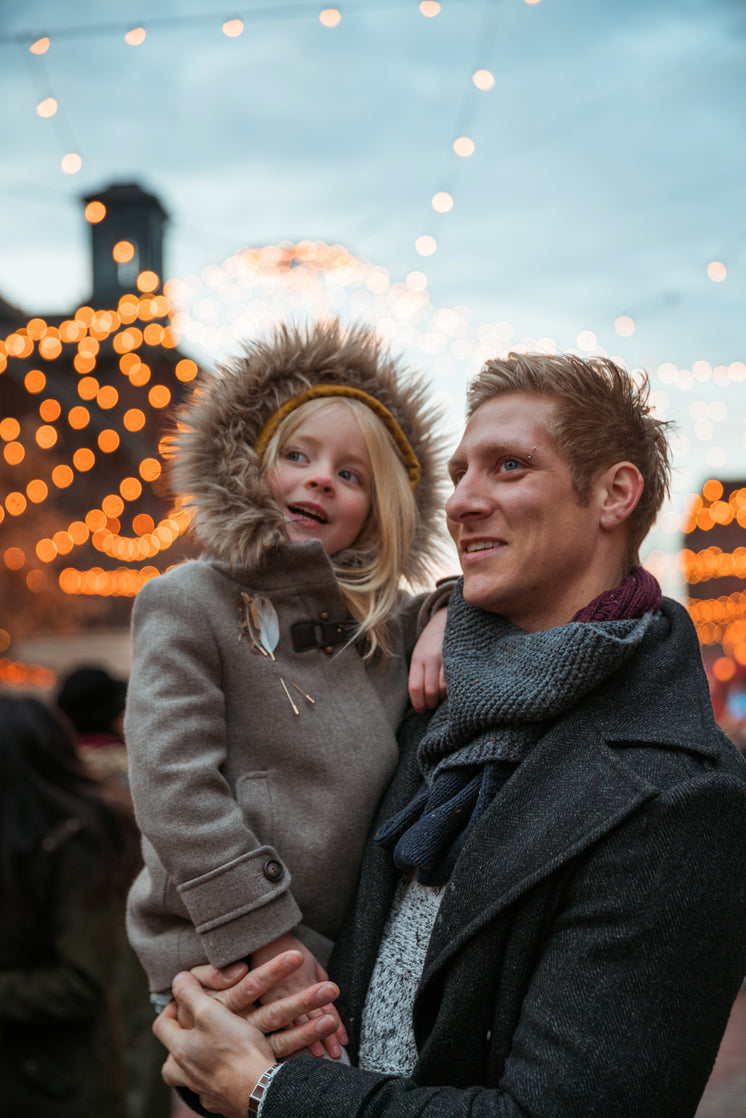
pixel 522 838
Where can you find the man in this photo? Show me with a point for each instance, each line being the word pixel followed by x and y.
pixel 553 923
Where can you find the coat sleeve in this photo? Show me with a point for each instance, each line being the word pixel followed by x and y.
pixel 628 996
pixel 233 886
pixel 74 979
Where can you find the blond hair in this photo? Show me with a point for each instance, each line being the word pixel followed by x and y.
pixel 601 416
pixel 369 571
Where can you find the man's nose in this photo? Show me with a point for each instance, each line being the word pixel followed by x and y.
pixel 468 499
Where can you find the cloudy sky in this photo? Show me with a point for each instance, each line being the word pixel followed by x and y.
pixel 607 174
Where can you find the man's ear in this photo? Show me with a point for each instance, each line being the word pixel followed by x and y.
pixel 621 488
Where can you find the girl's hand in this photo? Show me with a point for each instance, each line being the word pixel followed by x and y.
pixel 307 974
pixel 427 685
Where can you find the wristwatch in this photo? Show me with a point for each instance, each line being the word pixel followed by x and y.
pixel 258 1093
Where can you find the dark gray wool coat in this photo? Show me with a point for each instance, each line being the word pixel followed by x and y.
pixel 592 937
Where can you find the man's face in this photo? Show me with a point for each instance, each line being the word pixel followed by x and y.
pixel 527 548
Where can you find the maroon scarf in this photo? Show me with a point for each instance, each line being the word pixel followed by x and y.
pixel 638 594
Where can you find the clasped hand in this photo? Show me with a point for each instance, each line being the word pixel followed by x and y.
pixel 221 1041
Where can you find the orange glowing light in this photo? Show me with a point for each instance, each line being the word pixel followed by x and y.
pixel 49 410
pixel 95 520
pixel 79 532
pixel 19 345
pixel 85 315
pixel 717 271
pixel 63 542
pixel 84 363
pixel 41 46
pixel 50 348
pixel 37 491
pixel 9 429
pixel 128 362
pixel 130 488
pixel 712 490
pixel 14 453
pixel 46 551
pixel 123 252
pixel 16 503
pixel 78 418
pixel 35 381
pixel 233 28
pixel 147 281
pixel 153 334
pixel 142 524
pixel 84 459
pixel 88 388
pixel 113 505
pixel 108 441
pixel 430 8
pixel 134 419
pixel 186 370
pixel 45 436
pixel 140 375
pixel 135 37
pixel 14 558
pixel 36 328
pixel 107 397
pixel 36 581
pixel 159 396
pixel 95 212
pixel 723 669
pixel 62 476
pixel 330 17
pixel 150 469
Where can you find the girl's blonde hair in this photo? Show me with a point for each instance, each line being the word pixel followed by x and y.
pixel 368 572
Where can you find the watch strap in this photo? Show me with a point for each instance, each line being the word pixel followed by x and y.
pixel 257 1094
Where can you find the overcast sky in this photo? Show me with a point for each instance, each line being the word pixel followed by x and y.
pixel 608 169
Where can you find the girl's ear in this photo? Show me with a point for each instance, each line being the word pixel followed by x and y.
pixel 620 490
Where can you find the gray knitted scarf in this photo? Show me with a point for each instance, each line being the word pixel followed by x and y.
pixel 506 688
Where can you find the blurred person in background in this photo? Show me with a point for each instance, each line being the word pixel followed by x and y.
pixel 67 854
pixel 93 701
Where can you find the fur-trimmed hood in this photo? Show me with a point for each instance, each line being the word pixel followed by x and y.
pixel 216 471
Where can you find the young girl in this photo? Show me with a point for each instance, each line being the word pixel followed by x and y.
pixel 269 676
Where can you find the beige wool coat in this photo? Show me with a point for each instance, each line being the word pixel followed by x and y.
pixel 254 817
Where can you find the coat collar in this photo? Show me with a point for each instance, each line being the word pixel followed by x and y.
pixel 523 837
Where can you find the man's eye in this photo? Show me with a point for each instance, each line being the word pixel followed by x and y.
pixel 511 464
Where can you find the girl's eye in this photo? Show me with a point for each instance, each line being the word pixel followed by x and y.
pixel 295 456
pixel 350 475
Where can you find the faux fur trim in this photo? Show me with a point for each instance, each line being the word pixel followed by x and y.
pixel 215 472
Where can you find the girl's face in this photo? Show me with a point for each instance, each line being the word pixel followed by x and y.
pixel 323 479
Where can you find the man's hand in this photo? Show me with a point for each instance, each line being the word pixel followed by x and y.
pixel 222 1056
pixel 427 685
pixel 307 974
